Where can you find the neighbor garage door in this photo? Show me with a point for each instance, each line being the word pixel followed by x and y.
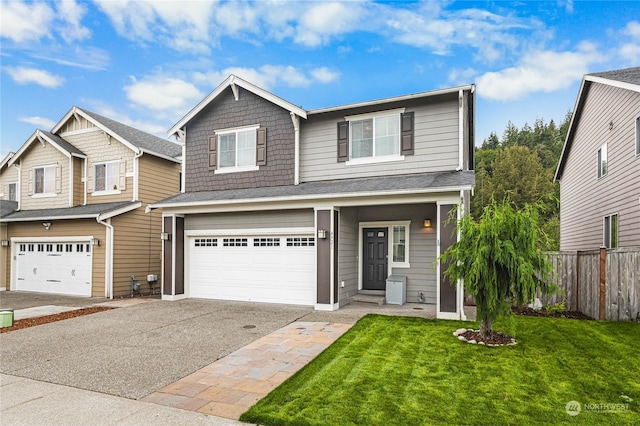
pixel 274 269
pixel 54 267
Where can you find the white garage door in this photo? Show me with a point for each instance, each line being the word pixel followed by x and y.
pixel 274 269
pixel 54 267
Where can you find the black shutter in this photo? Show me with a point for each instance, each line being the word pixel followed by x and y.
pixel 343 141
pixel 406 133
pixel 213 152
pixel 261 147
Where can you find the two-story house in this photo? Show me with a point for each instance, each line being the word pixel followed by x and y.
pixel 284 205
pixel 73 207
pixel 599 169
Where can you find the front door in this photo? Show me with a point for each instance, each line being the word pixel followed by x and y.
pixel 374 258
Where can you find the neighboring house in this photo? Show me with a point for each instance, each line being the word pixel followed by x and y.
pixel 73 207
pixel 599 169
pixel 284 205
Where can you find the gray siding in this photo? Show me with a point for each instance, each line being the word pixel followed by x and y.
pixel 225 112
pixel 436 143
pixel 421 277
pixel 348 255
pixel 585 199
pixel 250 220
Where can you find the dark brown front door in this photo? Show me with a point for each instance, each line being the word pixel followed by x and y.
pixel 374 258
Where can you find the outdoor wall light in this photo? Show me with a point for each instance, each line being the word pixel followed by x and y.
pixel 322 234
pixel 5 243
pixel 95 242
pixel 427 223
pixel 165 236
pixel 46 225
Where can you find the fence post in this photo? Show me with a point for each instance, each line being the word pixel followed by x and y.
pixel 603 282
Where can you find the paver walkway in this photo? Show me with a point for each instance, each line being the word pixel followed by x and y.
pixel 229 386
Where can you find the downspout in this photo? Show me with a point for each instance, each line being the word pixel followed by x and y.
pixel 182 137
pixel 460 130
pixel 70 181
pixel 460 302
pixel 296 127
pixel 135 175
pixel 86 171
pixel 108 264
pixel 19 186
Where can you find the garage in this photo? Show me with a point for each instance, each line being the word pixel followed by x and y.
pixel 273 269
pixel 62 267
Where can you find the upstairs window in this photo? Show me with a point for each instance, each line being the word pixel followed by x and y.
pixel 602 161
pixel 375 137
pixel 237 150
pixel 44 180
pixel 13 192
pixel 610 231
pixel 107 176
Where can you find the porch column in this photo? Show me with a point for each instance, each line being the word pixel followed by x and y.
pixel 448 294
pixel 326 236
pixel 173 258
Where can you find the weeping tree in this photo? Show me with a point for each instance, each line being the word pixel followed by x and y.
pixel 498 259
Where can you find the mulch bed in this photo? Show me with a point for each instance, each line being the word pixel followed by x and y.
pixel 544 313
pixel 30 322
pixel 496 339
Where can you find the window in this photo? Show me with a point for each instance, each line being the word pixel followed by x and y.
pixel 638 136
pixel 266 242
pixel 399 243
pixel 234 242
pixel 379 137
pixel 375 137
pixel 13 192
pixel 45 180
pixel 107 176
pixel 602 161
pixel 611 231
pixel 301 242
pixel 238 150
pixel 206 242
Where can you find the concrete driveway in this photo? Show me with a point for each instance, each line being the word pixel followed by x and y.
pixel 136 350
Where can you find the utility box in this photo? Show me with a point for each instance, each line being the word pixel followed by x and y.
pixel 396 290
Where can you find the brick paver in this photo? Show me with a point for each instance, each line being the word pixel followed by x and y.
pixel 229 386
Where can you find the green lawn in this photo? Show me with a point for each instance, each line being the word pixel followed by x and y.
pixel 412 371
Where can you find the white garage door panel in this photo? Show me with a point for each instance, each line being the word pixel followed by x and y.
pixel 54 267
pixel 274 274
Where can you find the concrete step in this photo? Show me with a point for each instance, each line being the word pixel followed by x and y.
pixel 368 299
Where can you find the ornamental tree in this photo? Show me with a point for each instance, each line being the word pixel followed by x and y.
pixel 498 259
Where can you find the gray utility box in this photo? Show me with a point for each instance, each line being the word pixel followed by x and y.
pixel 396 290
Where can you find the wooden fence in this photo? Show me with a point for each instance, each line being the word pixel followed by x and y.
pixel 603 284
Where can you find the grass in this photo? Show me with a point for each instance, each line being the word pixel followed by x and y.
pixel 412 371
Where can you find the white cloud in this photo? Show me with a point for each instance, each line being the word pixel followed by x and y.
pixel 39 122
pixel 71 13
pixel 23 75
pixel 324 75
pixel 182 26
pixel 539 71
pixel 86 57
pixel 630 51
pixel 161 92
pixel 22 21
pixel 324 20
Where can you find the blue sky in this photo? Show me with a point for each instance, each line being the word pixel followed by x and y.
pixel 147 63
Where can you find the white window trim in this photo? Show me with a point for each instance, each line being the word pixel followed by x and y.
pixel 381 158
pixel 98 193
pixel 638 137
pixel 604 236
pixel 601 175
pixel 236 169
pixel 390 263
pixel 44 194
